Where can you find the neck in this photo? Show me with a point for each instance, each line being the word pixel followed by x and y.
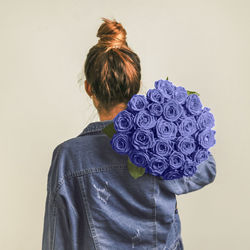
pixel 113 113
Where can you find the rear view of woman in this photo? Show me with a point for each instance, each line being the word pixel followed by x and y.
pixel 92 200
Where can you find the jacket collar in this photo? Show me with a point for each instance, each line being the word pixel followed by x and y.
pixel 95 127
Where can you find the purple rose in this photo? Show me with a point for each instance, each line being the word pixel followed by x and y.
pixel 205 120
pixel 155 95
pixel 172 110
pixel 206 138
pixel 186 145
pixel 157 165
pixel 137 103
pixel 155 109
pixel 143 139
pixel 120 143
pixel 163 147
pixel 180 95
pixel 187 126
pixel 145 120
pixel 189 168
pixel 176 160
pixel 165 130
pixel 201 155
pixel 183 116
pixel 124 122
pixel 193 104
pixel 139 158
pixel 171 174
pixel 166 87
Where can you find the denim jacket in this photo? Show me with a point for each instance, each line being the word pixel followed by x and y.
pixel 93 202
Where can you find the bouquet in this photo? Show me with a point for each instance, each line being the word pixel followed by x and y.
pixel 166 133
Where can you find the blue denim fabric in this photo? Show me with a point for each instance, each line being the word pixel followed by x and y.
pixel 93 202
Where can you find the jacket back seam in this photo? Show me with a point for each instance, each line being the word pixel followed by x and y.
pixel 83 173
pixel 89 217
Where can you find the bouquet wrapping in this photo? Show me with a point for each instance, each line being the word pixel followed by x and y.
pixel 166 133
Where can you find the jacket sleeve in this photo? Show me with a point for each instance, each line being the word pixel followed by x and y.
pixel 205 174
pixel 49 218
pixel 48 226
pixel 61 225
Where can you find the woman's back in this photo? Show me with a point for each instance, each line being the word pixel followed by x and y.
pixel 94 203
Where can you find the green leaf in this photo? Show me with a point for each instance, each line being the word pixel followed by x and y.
pixel 134 170
pixel 192 92
pixel 167 78
pixel 109 130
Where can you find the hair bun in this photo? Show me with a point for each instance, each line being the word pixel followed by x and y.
pixel 111 34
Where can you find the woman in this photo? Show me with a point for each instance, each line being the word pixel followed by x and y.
pixel 92 201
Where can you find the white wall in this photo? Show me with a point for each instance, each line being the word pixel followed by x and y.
pixel 201 45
